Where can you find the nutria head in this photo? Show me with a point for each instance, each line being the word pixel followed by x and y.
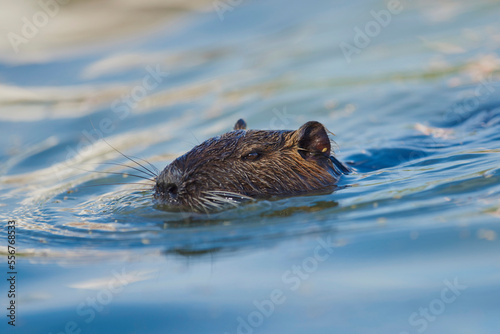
pixel 246 164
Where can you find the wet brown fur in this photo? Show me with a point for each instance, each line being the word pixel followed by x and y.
pixel 244 164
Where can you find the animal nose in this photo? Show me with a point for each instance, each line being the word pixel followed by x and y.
pixel 171 189
pixel 169 184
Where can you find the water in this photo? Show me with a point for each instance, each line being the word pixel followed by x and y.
pixel 408 244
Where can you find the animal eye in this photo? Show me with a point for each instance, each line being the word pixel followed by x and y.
pixel 251 156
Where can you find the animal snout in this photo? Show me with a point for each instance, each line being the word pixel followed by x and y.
pixel 168 185
pixel 167 190
pixel 171 189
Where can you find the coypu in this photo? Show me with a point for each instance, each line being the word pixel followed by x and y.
pixel 250 164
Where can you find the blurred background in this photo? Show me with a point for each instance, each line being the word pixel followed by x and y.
pixel 407 244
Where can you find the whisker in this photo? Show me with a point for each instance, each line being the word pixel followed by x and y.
pixel 149 163
pixel 121 152
pixel 218 202
pixel 224 201
pixel 209 203
pixel 111 184
pixel 205 201
pixel 192 133
pixel 227 193
pixel 220 198
pixel 116 173
pixel 132 190
pixel 191 206
pixel 127 166
pixel 203 206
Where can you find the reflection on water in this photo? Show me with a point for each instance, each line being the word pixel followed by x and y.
pixel 415 113
pixel 39 30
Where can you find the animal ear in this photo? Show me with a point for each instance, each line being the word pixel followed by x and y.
pixel 313 138
pixel 240 125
